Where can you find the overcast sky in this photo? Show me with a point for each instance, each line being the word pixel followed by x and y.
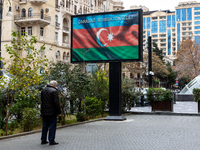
pixel 155 4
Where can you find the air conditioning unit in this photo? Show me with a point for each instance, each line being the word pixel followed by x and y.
pixel 17 7
pixel 47 9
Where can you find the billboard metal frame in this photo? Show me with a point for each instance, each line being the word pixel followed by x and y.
pixel 140 36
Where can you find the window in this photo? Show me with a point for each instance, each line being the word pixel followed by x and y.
pixel 169 18
pixel 197 13
pixel 58 55
pixel 75 9
pixel 184 29
pixel 174 49
pixel 178 33
pixel 154 36
pixel 178 15
pixel 41 31
pixel 197 27
pixel 23 13
pixel 144 36
pixel 164 54
pixel 30 31
pixel 42 14
pixel 174 34
pixel 30 12
pixel 162 26
pixel 173 30
pixel 163 35
pixel 183 14
pixel 190 33
pixel 154 18
pixel 144 23
pixel 197 22
pixel 162 17
pixel 174 44
pixel 190 28
pixel 144 32
pixel 184 24
pixel 197 18
pixel 173 21
pixel 23 30
pixel 190 24
pixel 56 36
pixel 196 8
pixel 148 23
pixel 148 34
pixel 64 56
pixel 164 49
pixel 163 40
pixel 184 33
pixel 174 40
pixel 163 45
pixel 154 28
pixel 189 14
pixel 155 41
pixel 196 32
pixel 184 38
pixel 131 76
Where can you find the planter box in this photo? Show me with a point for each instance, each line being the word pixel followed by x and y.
pixel 198 106
pixel 162 106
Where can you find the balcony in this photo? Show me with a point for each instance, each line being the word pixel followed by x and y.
pixel 57 25
pixel 68 11
pixel 42 20
pixel 38 2
pixel 58 7
pixel 22 1
pixel 65 29
pixel 65 45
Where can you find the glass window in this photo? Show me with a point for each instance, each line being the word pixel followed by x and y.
pixel 173 21
pixel 23 13
pixel 184 24
pixel 148 34
pixel 190 24
pixel 178 33
pixel 163 44
pixel 148 23
pixel 154 36
pixel 190 28
pixel 155 40
pixel 184 29
pixel 184 33
pixel 178 15
pixel 197 18
pixel 164 54
pixel 197 39
pixel 189 13
pixel 197 13
pixel 144 32
pixel 197 22
pixel 163 40
pixel 169 41
pixel 184 38
pixel 154 18
pixel 163 35
pixel 41 31
pixel 162 26
pixel 23 31
pixel 162 17
pixel 169 18
pixel 56 36
pixel 144 23
pixel 154 28
pixel 197 27
pixel 164 49
pixel 30 12
pixel 144 36
pixel 183 14
pixel 196 32
pixel 29 30
pixel 174 34
pixel 196 8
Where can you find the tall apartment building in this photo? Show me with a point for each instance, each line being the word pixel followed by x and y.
pixel 49 21
pixel 169 28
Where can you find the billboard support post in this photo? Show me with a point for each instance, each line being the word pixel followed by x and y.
pixel 115 109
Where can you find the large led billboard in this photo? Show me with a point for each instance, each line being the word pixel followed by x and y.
pixel 107 37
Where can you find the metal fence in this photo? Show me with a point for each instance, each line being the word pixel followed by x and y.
pixel 32 16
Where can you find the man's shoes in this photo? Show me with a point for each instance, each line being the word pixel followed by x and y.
pixel 54 143
pixel 45 142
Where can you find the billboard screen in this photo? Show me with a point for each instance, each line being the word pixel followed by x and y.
pixel 107 37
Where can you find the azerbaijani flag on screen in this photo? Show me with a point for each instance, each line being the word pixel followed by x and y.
pixel 105 37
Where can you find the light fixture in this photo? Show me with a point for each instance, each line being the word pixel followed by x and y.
pixel 9 13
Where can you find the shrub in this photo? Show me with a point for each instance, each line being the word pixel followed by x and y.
pixel 158 94
pixel 29 119
pixel 93 106
pixel 196 94
pixel 80 116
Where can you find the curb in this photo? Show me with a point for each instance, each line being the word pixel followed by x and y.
pixel 165 113
pixel 40 130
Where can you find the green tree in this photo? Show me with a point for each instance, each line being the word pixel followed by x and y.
pixel 157 51
pixel 24 70
pixel 171 77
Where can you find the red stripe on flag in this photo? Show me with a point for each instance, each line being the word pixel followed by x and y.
pixel 108 37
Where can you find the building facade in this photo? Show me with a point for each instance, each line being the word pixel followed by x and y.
pixel 49 21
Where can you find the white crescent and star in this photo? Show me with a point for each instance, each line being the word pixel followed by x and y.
pixel 110 37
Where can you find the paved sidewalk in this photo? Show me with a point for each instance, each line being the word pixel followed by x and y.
pixel 179 107
pixel 138 132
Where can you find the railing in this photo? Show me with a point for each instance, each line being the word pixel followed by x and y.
pixel 22 1
pixel 57 25
pixel 65 28
pixel 33 16
pixel 57 7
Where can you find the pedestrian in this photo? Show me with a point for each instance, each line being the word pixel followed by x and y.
pixel 50 108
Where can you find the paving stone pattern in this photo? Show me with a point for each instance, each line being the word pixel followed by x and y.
pixel 138 132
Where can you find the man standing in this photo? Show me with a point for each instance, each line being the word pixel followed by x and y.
pixel 50 109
